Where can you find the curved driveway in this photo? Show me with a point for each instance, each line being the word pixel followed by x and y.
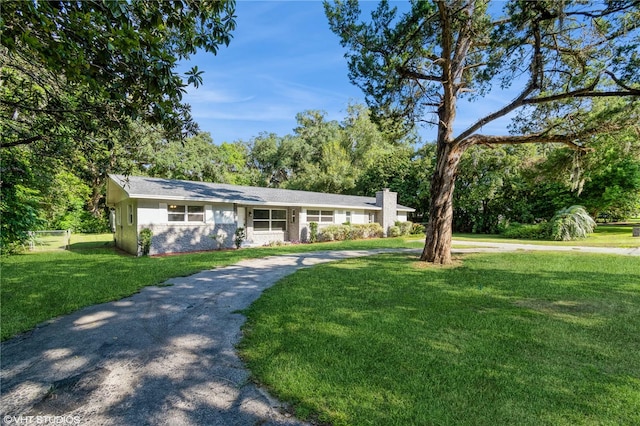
pixel 164 356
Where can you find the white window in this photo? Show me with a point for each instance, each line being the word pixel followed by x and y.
pixel 182 213
pixel 348 215
pixel 269 220
pixel 372 217
pixel 130 214
pixel 325 216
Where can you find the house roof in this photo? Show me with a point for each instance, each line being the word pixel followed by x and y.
pixel 183 190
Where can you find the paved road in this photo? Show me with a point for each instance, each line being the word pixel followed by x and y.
pixel 164 356
pixel 482 246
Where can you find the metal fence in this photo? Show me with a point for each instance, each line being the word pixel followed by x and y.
pixel 49 240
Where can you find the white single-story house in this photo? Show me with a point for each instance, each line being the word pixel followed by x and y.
pixel 183 215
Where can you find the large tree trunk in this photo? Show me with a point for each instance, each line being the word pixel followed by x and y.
pixel 437 248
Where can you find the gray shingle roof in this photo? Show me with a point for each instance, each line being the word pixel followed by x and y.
pixel 168 189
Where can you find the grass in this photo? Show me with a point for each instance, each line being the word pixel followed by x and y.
pixel 37 287
pixel 518 338
pixel 604 236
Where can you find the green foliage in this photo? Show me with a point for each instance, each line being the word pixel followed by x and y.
pixel 417 229
pixel 63 202
pixel 239 236
pixel 19 201
pixel 73 62
pixel 349 232
pixel 520 231
pixel 404 227
pixel 313 232
pixel 145 237
pixel 486 188
pixel 394 231
pixel 571 223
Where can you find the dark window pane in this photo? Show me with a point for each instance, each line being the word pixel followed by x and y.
pixel 278 214
pixel 260 214
pixel 197 217
pixel 176 209
pixel 327 213
pixel 176 217
pixel 261 225
pixel 279 225
pixel 313 212
pixel 196 209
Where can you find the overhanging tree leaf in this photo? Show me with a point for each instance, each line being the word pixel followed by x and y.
pixel 102 58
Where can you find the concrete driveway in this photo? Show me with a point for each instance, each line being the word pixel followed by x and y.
pixel 164 356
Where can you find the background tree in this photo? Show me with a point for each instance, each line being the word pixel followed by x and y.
pixel 555 56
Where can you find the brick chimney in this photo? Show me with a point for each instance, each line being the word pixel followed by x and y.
pixel 388 201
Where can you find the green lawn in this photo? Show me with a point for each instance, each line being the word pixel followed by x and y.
pixel 519 338
pixel 604 236
pixel 36 287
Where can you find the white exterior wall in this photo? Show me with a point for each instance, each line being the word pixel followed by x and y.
pixel 402 216
pixel 155 212
pixel 151 212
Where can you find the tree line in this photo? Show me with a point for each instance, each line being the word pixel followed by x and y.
pixel 496 186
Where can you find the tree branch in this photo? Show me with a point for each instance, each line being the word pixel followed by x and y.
pixel 569 140
pixel 404 72
pixel 21 141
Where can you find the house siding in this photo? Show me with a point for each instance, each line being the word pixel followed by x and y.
pixel 180 238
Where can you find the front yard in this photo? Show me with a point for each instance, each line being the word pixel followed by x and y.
pixel 519 338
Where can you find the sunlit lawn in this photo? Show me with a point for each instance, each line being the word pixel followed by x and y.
pixel 604 236
pixel 499 339
pixel 36 287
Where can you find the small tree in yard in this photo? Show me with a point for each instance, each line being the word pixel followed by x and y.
pixel 571 223
pixel 239 237
pixel 556 56
pixel 144 240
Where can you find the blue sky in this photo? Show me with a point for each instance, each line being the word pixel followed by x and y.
pixel 283 59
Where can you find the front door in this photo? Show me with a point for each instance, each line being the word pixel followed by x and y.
pixel 242 212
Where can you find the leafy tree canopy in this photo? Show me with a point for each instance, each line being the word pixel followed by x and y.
pixel 69 66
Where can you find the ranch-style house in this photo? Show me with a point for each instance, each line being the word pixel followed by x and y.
pixel 183 215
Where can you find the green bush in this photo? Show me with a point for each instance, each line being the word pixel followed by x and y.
pixel 526 231
pixel 394 231
pixel 571 223
pixel 144 240
pixel 405 227
pixel 313 230
pixel 350 232
pixel 371 230
pixel 239 236
pixel 417 229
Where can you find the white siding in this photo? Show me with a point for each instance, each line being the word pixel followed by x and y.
pixel 402 216
pixel 223 214
pixel 151 212
pixel 359 217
